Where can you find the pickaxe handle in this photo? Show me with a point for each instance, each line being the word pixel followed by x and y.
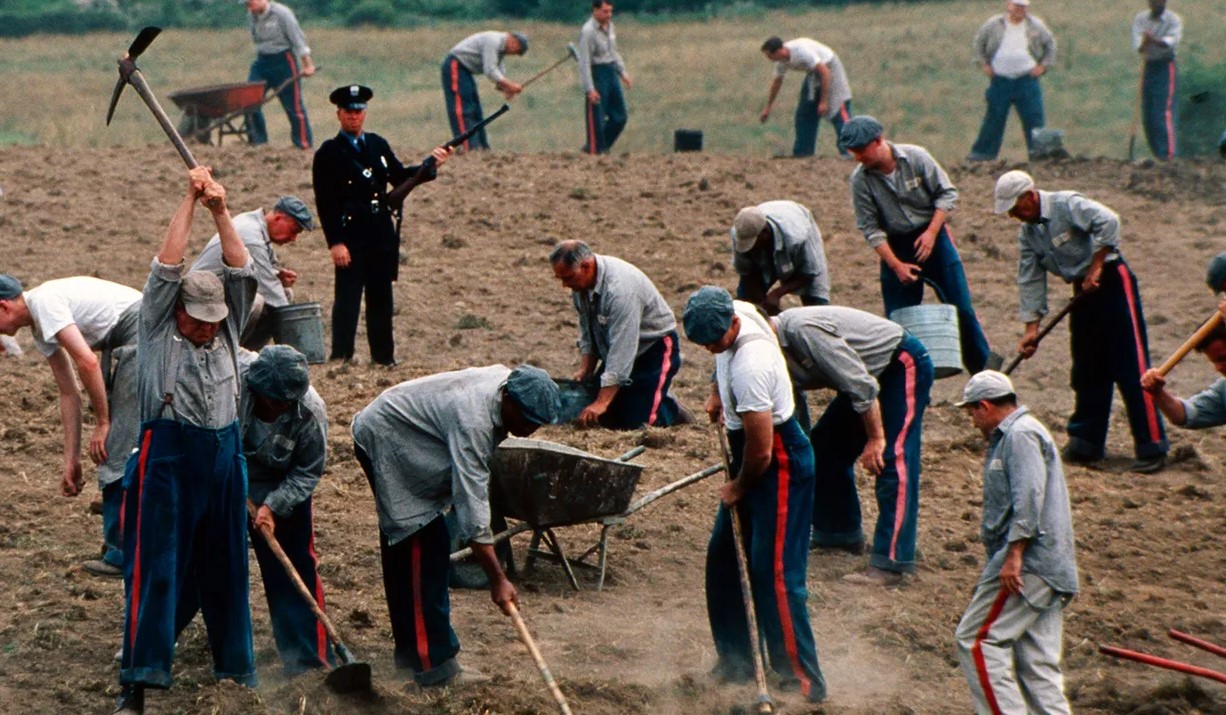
pixel 571 54
pixel 522 629
pixel 142 88
pixel 1188 345
pixel 1043 331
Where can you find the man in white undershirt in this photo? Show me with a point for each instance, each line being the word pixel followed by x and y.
pixel 1014 49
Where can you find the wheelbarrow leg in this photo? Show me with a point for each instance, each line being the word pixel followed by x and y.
pixel 533 548
pixel 604 554
pixel 552 540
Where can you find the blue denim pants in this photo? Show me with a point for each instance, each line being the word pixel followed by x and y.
pixel 807 121
pixel 605 120
pixel 776 518
pixel 1026 95
pixel 1158 103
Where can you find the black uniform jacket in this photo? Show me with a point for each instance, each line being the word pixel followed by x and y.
pixel 350 196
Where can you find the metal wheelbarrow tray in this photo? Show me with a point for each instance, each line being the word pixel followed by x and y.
pixel 216 107
pixel 548 484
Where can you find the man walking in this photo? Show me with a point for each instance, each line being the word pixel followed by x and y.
pixel 771 488
pixel 777 243
pixel 425 445
pixel 351 173
pixel 260 231
pixel 882 375
pixel 825 91
pixel 602 72
pixel 1077 239
pixel 1155 34
pixel 902 198
pixel 479 53
pixel 1014 49
pixel 1011 635
pixel 627 339
pixel 70 319
pixel 185 517
pixel 281 52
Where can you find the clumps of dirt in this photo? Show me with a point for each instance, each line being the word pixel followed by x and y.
pixel 1170 697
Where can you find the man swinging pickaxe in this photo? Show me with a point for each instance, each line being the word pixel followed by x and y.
pixel 129 73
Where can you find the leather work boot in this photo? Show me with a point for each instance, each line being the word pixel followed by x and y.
pixel 98 567
pixel 131 701
pixel 466 677
pixel 1148 465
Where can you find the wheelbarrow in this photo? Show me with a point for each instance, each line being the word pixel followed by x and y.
pixel 226 108
pixel 545 485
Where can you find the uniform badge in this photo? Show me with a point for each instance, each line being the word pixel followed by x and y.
pixel 367 172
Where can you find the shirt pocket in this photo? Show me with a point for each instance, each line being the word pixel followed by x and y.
pixel 276 453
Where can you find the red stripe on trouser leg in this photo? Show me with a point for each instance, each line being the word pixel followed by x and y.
pixel 459 101
pixel 419 618
pixel 781 588
pixel 591 127
pixel 321 634
pixel 843 112
pixel 134 605
pixel 664 365
pixel 1151 413
pixel 981 665
pixel 299 112
pixel 1168 114
pixel 900 452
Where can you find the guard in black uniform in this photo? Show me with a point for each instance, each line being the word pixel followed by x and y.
pixel 351 173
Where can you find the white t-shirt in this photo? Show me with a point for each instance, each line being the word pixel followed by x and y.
pixel 1012 58
pixel 752 375
pixel 805 55
pixel 92 304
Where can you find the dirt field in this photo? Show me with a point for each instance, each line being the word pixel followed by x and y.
pixel 1150 548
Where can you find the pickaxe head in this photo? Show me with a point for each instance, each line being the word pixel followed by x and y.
pixel 127 64
pixel 572 50
pixel 1215 274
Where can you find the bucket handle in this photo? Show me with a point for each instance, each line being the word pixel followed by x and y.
pixel 935 289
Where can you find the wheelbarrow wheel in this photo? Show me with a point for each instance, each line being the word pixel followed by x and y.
pixel 189 128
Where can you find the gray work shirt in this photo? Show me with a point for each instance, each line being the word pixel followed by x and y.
pixel 620 318
pixel 202 380
pixel 797 250
pixel 903 202
pixel 482 53
pixel 1025 497
pixel 430 441
pixel 1040 43
pixel 285 457
pixel 597 46
pixel 276 31
pixel 836 347
pixel 1206 408
pixel 1070 230
pixel 1167 29
pixel 253 229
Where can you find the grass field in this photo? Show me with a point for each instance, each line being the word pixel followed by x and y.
pixel 910 65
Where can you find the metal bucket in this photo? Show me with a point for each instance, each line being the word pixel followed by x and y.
pixel 936 326
pixel 550 484
pixel 687 140
pixel 1047 144
pixel 576 395
pixel 301 326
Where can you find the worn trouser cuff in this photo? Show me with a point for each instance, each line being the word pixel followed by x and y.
pixel 885 563
pixel 444 671
pixel 149 677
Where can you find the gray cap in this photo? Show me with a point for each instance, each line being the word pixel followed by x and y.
pixel 10 287
pixel 296 208
pixel 986 385
pixel 204 297
pixel 708 315
pixel 536 394
pixel 1010 187
pixel 748 224
pixel 859 132
pixel 279 373
pixel 523 42
pixel 1215 274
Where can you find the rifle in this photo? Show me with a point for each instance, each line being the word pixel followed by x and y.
pixel 396 197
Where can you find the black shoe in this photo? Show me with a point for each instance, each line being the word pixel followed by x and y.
pixel 1072 456
pixel 389 363
pixel 131 700
pixel 1148 465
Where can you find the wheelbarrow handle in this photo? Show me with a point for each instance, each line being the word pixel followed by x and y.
pixel 1197 642
pixel 1162 663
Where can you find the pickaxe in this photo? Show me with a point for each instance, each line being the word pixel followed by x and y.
pixel 1216 278
pixel 572 53
pixel 129 73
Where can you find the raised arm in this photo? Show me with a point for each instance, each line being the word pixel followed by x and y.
pixel 174 245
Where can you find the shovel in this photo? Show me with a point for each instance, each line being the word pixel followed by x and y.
pixel 351 675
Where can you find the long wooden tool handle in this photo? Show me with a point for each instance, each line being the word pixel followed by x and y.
pixel 142 88
pixel 546 71
pixel 526 637
pixel 1197 642
pixel 1209 326
pixel 1043 331
pixel 277 551
pixel 764 702
pixel 1162 663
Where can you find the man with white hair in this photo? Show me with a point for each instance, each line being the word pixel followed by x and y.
pixel 1078 239
pixel 1010 637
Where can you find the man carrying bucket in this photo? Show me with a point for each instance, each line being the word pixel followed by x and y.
pixel 882 375
pixel 1077 239
pixel 902 198
pixel 425 445
pixel 260 231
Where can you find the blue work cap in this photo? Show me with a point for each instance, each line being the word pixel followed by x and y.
pixel 10 287
pixel 536 394
pixel 859 132
pixel 279 373
pixel 708 315
pixel 1215 275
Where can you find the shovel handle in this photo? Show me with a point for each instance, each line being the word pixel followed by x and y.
pixel 1208 327
pixel 526 637
pixel 1043 331
pixel 275 547
pixel 142 88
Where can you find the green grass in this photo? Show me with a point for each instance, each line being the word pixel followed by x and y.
pixel 909 64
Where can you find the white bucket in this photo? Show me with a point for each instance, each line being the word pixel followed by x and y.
pixel 300 326
pixel 936 326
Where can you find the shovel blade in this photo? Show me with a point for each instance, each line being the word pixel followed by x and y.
pixel 143 39
pixel 349 678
